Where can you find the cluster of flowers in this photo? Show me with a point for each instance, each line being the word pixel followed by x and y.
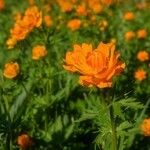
pixel 140 34
pixel 12 69
pixel 84 7
pixel 140 73
pixel 24 25
pixel 96 67
pixel 143 55
pixel 129 35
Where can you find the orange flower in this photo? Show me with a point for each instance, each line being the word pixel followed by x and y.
pixel 129 35
pixel 145 127
pixel 74 24
pixel 143 55
pixel 96 67
pixel 38 52
pixel 95 6
pixel 24 141
pixel 141 34
pixel 48 21
pixel 66 6
pixel 2 4
pixel 24 25
pixel 129 16
pixel 81 10
pixel 32 18
pixel 140 74
pixel 19 32
pixel 11 70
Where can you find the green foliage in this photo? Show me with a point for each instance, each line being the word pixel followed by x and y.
pixel 48 104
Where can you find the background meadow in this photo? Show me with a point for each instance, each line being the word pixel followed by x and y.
pixel 45 103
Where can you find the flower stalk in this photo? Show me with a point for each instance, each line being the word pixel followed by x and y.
pixel 113 126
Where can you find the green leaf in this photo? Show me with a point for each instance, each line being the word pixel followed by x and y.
pixel 19 105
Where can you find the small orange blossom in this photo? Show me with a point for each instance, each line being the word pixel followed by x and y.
pixel 11 70
pixel 145 127
pixel 140 74
pixel 143 55
pixel 38 52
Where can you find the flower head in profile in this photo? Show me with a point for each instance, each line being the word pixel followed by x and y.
pixel 2 4
pixel 32 17
pixel 66 6
pixel 95 6
pixel 81 10
pixel 38 52
pixel 96 67
pixel 141 34
pixel 11 70
pixel 24 141
pixel 129 35
pixel 74 24
pixel 129 16
pixel 48 21
pixel 19 31
pixel 143 56
pixel 140 74
pixel 145 127
pixel 24 25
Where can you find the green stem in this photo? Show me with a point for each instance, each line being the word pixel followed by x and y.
pixel 114 134
pixel 9 141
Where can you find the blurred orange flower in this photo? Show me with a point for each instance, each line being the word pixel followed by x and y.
pixel 141 34
pixel 95 6
pixel 143 55
pixel 140 74
pixel 129 35
pixel 129 16
pixel 38 52
pixel 48 21
pixel 81 10
pixel 11 70
pixel 66 6
pixel 2 4
pixel 145 127
pixel 74 24
pixel 96 67
pixel 24 141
